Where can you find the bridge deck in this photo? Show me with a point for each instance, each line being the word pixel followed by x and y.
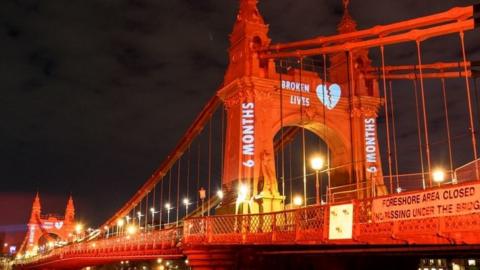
pixel 308 226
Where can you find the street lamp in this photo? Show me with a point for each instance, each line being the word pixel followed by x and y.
pixel 107 230
pixel 242 197
pixel 168 207
pixel 186 202
pixel 220 194
pixel 120 224
pixel 139 214
pixel 297 200
pixel 203 195
pixel 152 210
pixel 242 193
pixel 438 176
pixel 78 230
pixel 317 164
pixel 131 229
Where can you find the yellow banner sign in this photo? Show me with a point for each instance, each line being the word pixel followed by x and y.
pixel 456 200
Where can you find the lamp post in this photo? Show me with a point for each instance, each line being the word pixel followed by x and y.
pixel 152 210
pixel 317 164
pixel 78 231
pixel 168 207
pixel 186 202
pixel 139 214
pixel 107 230
pixel 203 195
pixel 120 224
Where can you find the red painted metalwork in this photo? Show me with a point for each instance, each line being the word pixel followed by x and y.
pixel 413 35
pixel 310 226
pixel 144 246
pixel 454 14
pixel 48 227
pixel 251 81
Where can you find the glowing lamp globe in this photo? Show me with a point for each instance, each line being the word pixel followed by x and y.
pixel 317 163
pixel 131 230
pixel 220 194
pixel 120 222
pixel 438 175
pixel 297 201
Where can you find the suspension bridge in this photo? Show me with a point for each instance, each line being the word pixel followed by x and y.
pixel 319 146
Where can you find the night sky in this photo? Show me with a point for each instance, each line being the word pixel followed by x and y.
pixel 95 93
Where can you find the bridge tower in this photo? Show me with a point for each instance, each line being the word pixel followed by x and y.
pixel 48 228
pixel 260 100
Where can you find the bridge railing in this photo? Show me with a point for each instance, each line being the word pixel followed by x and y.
pixel 312 225
pixel 279 227
pixel 468 172
pixel 407 182
pixel 139 243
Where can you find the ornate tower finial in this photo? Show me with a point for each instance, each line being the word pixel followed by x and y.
pixel 70 211
pixel 249 12
pixel 347 24
pixel 249 34
pixel 36 208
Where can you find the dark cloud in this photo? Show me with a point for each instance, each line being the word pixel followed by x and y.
pixel 94 94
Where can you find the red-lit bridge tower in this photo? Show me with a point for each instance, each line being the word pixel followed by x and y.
pixel 261 99
pixel 48 229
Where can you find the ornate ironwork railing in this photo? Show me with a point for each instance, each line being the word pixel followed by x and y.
pixel 311 226
pixel 154 242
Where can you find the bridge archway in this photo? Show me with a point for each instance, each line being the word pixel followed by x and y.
pixel 48 237
pixel 331 135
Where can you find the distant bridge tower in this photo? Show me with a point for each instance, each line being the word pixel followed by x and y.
pixel 260 99
pixel 43 229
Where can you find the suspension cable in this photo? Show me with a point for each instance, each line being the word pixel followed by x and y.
pixel 394 133
pixel 419 130
pixel 139 215
pixel 161 204
pixel 152 209
pixel 198 175
pixel 290 171
pixel 223 146
pixel 281 134
pixel 469 100
pixel 146 211
pixel 132 211
pixel 447 123
pixel 475 91
pixel 351 89
pixel 187 198
pixel 178 189
pixel 389 151
pixel 325 130
pixel 424 109
pixel 169 194
pixel 209 165
pixel 303 141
